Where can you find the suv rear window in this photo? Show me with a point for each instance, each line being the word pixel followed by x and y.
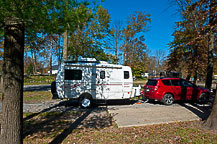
pixel 166 82
pixel 152 82
pixel 176 82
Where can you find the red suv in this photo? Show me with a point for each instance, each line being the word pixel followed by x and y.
pixel 169 90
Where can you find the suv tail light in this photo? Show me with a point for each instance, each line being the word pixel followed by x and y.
pixel 156 88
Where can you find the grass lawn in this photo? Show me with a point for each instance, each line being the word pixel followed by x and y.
pixel 64 128
pixel 35 96
pixel 37 80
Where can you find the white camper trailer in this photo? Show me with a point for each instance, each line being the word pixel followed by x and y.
pixel 88 80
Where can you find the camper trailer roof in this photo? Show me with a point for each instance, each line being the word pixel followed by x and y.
pixel 83 60
pixel 68 61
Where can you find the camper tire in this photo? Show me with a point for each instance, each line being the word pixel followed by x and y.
pixel 53 87
pixel 85 101
pixel 54 90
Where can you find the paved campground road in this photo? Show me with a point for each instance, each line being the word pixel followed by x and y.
pixel 155 113
pixel 44 87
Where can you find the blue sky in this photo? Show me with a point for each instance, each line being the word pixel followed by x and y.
pixel 163 18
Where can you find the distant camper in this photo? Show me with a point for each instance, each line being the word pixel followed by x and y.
pixel 88 81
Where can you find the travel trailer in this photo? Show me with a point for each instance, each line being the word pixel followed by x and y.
pixel 89 81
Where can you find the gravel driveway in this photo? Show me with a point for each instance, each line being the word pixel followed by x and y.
pixel 140 114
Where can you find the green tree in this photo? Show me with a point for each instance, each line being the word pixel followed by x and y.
pixel 31 17
pixel 29 69
pixel 90 39
pixel 194 43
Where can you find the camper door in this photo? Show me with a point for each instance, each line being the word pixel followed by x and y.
pixel 128 83
pixel 102 83
pixel 116 84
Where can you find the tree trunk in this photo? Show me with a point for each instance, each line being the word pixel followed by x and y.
pixel 12 104
pixel 211 122
pixel 210 61
pixel 65 45
pixel 195 64
pixel 124 61
pixel 59 52
pixel 188 76
pixel 195 77
pixel 35 62
pixel 211 46
pixel 51 48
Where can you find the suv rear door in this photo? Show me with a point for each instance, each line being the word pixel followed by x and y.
pixel 173 86
pixel 150 88
pixel 176 87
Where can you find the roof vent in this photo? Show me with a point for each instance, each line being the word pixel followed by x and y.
pixel 103 62
pixel 86 59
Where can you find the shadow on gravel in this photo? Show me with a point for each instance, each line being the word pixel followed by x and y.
pixel 201 110
pixel 42 123
pixel 63 103
pixel 59 138
pixel 44 110
pixel 57 125
pixel 119 102
pixel 90 119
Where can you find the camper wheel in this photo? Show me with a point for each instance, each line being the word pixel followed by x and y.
pixel 85 101
pixel 53 87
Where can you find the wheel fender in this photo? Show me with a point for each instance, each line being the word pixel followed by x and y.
pixel 85 94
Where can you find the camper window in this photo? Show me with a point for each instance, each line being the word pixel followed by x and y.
pixel 126 74
pixel 102 74
pixel 73 74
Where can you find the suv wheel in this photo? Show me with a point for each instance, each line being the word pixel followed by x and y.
pixel 168 99
pixel 203 98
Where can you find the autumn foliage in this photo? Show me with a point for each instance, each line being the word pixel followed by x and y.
pixel 134 47
pixel 189 50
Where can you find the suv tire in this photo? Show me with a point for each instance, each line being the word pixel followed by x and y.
pixel 203 98
pixel 168 99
